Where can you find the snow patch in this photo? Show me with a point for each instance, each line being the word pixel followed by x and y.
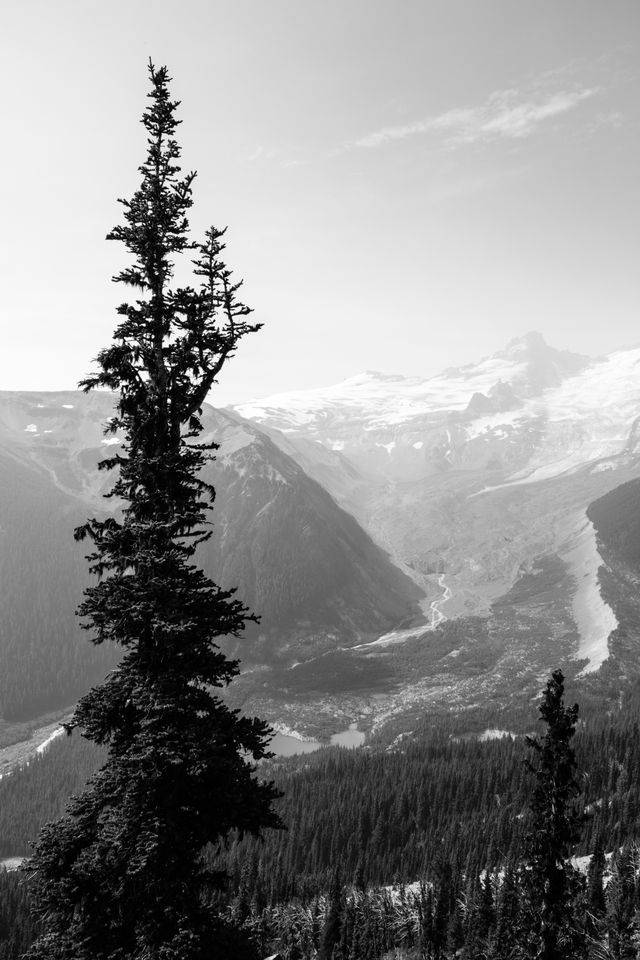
pixel 582 865
pixel 110 441
pixel 418 445
pixel 397 892
pixel 31 428
pixel 67 406
pixel 593 616
pixel 492 733
pixel 52 736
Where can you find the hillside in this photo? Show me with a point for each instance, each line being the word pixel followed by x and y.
pixel 306 566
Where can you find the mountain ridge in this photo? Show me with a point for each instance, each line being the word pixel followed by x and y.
pixel 295 556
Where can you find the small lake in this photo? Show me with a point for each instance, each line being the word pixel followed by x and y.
pixel 285 746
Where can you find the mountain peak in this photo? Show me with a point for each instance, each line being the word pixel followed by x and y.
pixel 530 343
pixel 545 365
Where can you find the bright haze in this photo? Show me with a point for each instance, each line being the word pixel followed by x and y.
pixel 407 185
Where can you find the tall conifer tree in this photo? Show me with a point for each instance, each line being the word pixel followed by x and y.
pixel 122 874
pixel 555 826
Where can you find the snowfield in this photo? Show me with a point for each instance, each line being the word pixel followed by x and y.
pixel 383 399
pixel 587 415
pixel 594 618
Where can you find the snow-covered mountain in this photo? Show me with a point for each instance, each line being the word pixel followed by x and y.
pixel 478 481
pixel 525 413
pixel 375 400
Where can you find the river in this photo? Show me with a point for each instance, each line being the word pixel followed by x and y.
pixel 437 616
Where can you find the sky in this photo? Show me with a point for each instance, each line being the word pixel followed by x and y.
pixel 407 184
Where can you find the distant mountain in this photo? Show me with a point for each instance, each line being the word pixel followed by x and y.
pixel 527 408
pixel 315 577
pixel 478 481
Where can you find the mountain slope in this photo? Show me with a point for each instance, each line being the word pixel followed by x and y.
pixel 46 661
pixel 317 579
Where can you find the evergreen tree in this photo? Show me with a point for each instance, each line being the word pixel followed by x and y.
pixel 596 903
pixel 555 822
pixel 508 915
pixel 330 937
pixel 622 904
pixel 122 874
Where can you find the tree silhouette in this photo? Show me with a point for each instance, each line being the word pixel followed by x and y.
pixel 555 823
pixel 123 874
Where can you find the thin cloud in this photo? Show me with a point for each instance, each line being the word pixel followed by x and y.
pixel 261 154
pixel 613 120
pixel 507 114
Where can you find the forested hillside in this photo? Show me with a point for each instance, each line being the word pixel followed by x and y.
pixel 390 815
pixel 436 807
pixel 46 661
pixel 617 519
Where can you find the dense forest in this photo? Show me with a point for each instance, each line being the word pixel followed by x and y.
pixel 389 815
pixel 415 845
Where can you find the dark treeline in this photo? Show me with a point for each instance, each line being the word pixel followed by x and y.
pixel 384 815
pixel 17 929
pixel 437 812
pixel 389 816
pixel 39 791
pixel 488 916
pixel 501 887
